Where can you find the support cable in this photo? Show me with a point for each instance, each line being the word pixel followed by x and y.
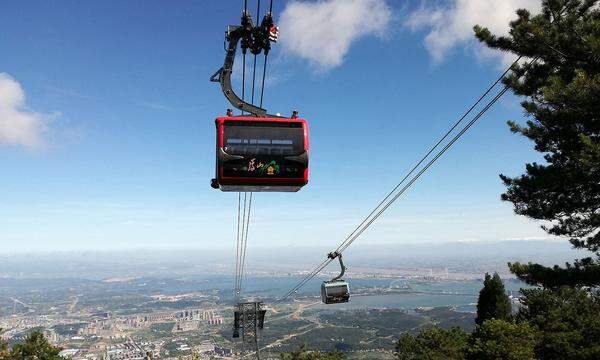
pixel 424 169
pixel 244 208
pixel 245 237
pixel 238 243
pixel 349 241
pixel 262 88
pixel 244 60
pixel 306 279
pixel 243 77
pixel 385 204
pixel 430 151
pixel 254 66
pixel 241 222
pixel 237 249
pixel 253 79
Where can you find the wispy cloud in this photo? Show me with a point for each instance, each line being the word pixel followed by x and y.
pixel 531 238
pixel 323 31
pixel 451 26
pixel 19 125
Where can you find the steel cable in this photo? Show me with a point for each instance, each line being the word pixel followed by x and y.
pixel 422 171
pixel 375 213
pixel 238 243
pixel 245 242
pixel 431 150
pixel 237 254
pixel 254 66
pixel 245 206
pixel 306 279
pixel 262 87
pixel 348 242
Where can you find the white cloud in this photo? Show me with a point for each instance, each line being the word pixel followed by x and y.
pixel 19 125
pixel 452 26
pixel 322 31
pixel 531 238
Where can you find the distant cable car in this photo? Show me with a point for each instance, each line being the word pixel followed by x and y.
pixel 261 154
pixel 336 290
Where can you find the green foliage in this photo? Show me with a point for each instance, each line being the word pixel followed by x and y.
pixel 493 302
pixel 68 329
pixel 568 321
pixel 4 354
pixel 35 347
pixel 302 354
pixel 500 339
pixel 408 348
pixel 563 106
pixel 585 272
pixel 562 323
pixel 433 344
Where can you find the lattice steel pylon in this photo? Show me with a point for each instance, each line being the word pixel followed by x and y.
pixel 249 318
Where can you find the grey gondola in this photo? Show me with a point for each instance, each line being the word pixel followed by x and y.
pixel 336 290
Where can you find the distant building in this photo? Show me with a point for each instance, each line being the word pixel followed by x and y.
pixel 102 315
pixel 52 336
pixel 205 346
pixel 68 353
pixel 220 351
pixel 217 320
pixel 183 347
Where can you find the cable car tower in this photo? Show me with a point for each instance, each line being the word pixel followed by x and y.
pixel 248 319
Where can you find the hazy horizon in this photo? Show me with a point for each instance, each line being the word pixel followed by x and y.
pixel 466 257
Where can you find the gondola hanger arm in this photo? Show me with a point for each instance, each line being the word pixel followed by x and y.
pixel 257 39
pixel 338 255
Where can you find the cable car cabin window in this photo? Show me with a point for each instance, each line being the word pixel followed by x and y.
pixel 337 290
pixel 256 138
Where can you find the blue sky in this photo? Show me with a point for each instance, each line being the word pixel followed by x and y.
pixel 107 124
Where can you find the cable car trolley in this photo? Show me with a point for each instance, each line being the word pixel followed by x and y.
pixel 336 290
pixel 257 151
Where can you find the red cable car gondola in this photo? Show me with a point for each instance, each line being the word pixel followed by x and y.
pixel 261 154
pixel 257 152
